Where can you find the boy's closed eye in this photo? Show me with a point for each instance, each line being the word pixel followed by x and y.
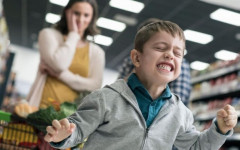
pixel 178 53
pixel 160 48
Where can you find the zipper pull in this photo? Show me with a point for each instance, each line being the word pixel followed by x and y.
pixel 147 131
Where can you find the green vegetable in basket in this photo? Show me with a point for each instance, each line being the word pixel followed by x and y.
pixel 44 117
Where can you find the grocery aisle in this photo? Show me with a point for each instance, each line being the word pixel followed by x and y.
pixel 212 88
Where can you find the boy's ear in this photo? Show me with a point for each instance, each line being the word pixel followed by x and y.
pixel 135 57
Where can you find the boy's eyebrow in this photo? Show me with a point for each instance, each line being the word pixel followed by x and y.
pixel 165 43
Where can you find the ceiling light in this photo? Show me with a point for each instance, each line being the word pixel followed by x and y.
pixel 128 5
pixel 198 65
pixel 225 55
pixel 90 38
pixel 198 37
pixel 59 2
pixel 111 24
pixel 226 16
pixel 52 18
pixel 232 4
pixel 237 36
pixel 100 39
pixel 103 40
pixel 131 21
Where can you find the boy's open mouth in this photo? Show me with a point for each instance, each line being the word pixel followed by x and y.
pixel 165 66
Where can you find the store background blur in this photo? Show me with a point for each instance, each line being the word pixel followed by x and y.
pixel 215 83
pixel 26 18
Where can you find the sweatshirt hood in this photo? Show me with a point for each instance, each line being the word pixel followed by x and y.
pixel 121 87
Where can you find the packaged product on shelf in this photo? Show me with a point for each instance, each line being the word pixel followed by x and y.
pixel 11 95
pixel 205 88
pixel 236 103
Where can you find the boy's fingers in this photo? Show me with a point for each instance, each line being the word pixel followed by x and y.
pixel 56 124
pixel 65 123
pixel 231 112
pixel 51 130
pixel 230 117
pixel 231 122
pixel 48 137
pixel 228 108
pixel 72 127
pixel 222 113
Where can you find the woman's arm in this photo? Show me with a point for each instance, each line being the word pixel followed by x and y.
pixel 45 69
pixel 94 80
pixel 56 52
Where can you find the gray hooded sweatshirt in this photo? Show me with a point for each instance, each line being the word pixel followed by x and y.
pixel 111 119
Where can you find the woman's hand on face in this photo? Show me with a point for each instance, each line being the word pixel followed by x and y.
pixel 71 21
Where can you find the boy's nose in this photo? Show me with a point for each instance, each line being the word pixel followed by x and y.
pixel 168 56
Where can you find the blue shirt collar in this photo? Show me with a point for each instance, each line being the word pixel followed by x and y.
pixel 133 83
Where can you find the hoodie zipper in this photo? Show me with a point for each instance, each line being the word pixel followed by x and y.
pixel 144 138
pixel 144 123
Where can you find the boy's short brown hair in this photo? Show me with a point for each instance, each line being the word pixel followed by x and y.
pixel 147 31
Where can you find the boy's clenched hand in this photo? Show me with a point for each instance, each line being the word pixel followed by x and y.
pixel 59 130
pixel 226 118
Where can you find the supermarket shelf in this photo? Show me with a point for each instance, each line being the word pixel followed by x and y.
pixel 209 116
pixel 231 92
pixel 215 73
pixel 205 116
pixel 227 90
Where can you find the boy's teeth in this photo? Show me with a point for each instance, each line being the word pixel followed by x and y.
pixel 166 67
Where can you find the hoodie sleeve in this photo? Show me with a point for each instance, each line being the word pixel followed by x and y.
pixel 87 118
pixel 190 138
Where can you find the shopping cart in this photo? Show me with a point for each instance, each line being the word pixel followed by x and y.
pixel 16 134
